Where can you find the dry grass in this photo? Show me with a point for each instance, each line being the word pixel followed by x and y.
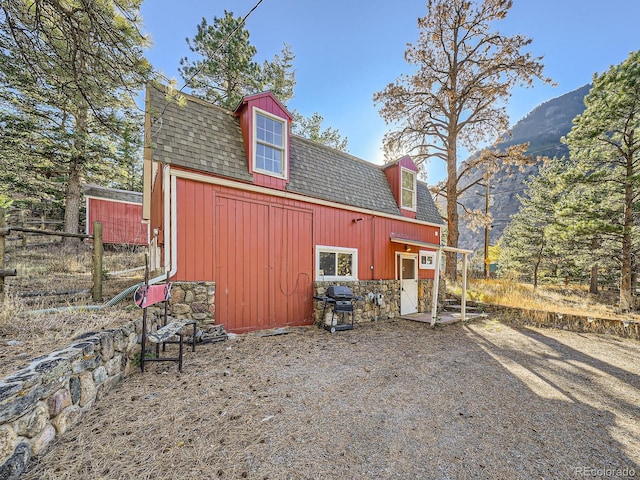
pixel 570 299
pixel 394 399
pixel 24 334
pixel 57 267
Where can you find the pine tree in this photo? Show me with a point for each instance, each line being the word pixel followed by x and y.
pixel 583 233
pixel 68 71
pixel 605 144
pixel 311 128
pixel 227 70
pixel 528 241
pixel 278 75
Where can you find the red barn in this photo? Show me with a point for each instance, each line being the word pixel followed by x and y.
pixel 235 198
pixel 119 212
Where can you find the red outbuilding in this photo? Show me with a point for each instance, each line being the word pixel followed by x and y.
pixel 270 217
pixel 119 212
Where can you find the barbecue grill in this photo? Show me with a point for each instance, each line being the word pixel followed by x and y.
pixel 339 299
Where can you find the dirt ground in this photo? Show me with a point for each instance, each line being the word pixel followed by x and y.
pixel 393 399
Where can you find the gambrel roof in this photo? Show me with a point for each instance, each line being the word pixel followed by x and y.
pixel 201 136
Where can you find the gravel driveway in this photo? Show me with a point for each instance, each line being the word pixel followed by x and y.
pixel 394 399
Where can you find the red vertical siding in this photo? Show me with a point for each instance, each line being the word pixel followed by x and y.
pixel 292 267
pixel 121 222
pixel 259 250
pixel 370 235
pixel 242 270
pixel 269 181
pixel 195 224
pixel 392 172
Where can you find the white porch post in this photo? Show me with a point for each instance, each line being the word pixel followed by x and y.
pixel 436 288
pixel 464 287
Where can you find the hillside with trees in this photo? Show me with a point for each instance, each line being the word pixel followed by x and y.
pixel 589 220
pixel 543 129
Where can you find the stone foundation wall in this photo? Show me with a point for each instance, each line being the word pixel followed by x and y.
pixel 368 310
pixel 51 394
pixel 425 294
pixel 195 301
pixel 365 310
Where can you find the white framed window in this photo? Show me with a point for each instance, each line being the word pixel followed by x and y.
pixel 336 263
pixel 409 189
pixel 270 144
pixel 427 260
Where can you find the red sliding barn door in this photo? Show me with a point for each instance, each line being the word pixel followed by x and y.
pixel 292 254
pixel 264 265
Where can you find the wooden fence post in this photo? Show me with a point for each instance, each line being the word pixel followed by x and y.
pixel 97 262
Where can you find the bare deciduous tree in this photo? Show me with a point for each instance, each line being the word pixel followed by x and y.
pixel 456 96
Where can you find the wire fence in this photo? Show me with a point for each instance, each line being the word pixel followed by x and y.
pixel 52 269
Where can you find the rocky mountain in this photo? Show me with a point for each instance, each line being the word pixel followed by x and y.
pixel 543 128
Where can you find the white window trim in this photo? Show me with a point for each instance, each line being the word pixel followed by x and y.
pixel 284 148
pixel 427 260
pixel 414 198
pixel 336 278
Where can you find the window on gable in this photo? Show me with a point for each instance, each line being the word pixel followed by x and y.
pixel 270 143
pixel 409 189
pixel 335 263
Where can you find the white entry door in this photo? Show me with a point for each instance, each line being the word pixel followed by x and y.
pixel 408 275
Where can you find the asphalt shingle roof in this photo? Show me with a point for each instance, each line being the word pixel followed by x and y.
pixel 205 137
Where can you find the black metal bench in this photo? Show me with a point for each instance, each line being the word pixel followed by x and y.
pixel 149 295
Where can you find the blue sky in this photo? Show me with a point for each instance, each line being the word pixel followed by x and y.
pixel 346 50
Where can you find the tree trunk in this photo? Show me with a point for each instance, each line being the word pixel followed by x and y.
pixel 536 266
pixel 626 295
pixel 76 174
pixel 626 287
pixel 593 277
pixel 72 202
pixel 452 210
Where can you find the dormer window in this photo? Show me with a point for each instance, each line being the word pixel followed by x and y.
pixel 270 139
pixel 409 189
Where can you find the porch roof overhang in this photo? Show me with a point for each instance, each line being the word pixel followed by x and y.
pixel 415 243
pixel 434 246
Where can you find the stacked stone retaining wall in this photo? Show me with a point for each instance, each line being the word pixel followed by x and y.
pixel 51 394
pixel 572 322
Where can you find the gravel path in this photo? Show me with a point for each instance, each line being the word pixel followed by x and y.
pixel 386 400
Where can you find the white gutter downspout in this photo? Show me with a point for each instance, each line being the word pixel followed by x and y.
pixel 174 228
pixel 170 231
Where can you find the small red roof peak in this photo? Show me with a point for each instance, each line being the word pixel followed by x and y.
pixel 405 161
pixel 257 98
